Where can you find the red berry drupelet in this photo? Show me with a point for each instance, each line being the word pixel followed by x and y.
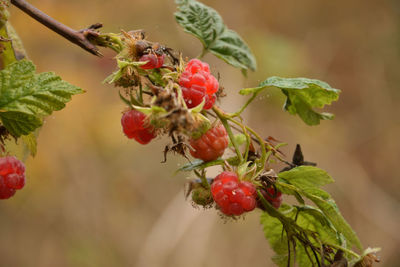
pixel 210 145
pixel 133 126
pixel 197 84
pixel 153 61
pixel 233 197
pixel 272 196
pixel 12 176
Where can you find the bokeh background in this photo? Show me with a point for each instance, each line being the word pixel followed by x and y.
pixel 95 198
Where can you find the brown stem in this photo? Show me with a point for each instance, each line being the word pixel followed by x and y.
pixel 80 38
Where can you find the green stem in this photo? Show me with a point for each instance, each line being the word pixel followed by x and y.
pixel 263 158
pixel 203 179
pixel 203 53
pixel 237 113
pixel 224 120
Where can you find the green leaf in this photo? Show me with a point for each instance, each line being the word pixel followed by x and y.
pixel 30 143
pixel 314 219
pixel 306 176
pixel 302 96
pixel 331 211
pixel 13 49
pixel 25 97
pixel 293 181
pixel 240 139
pixel 20 123
pixel 308 218
pixel 273 231
pixel 207 25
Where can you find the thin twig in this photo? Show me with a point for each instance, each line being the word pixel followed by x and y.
pixel 80 38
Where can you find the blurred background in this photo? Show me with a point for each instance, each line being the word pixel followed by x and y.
pixel 95 198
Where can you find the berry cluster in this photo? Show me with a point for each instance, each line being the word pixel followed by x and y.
pixel 233 197
pixel 198 84
pixel 153 61
pixel 12 176
pixel 133 125
pixel 210 145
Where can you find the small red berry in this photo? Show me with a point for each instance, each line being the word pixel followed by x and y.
pixel 198 84
pixel 12 176
pixel 272 196
pixel 133 126
pixel 210 145
pixel 232 196
pixel 153 61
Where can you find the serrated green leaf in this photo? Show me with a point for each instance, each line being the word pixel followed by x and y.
pixel 306 176
pixel 308 218
pixel 25 97
pixel 324 202
pixel 207 25
pixel 20 123
pixel 331 211
pixel 303 95
pixel 314 219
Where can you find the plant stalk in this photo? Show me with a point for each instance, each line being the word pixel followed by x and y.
pixel 79 38
pixel 224 119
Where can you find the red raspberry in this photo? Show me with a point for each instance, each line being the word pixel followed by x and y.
pixel 274 198
pixel 154 61
pixel 210 145
pixel 197 84
pixel 12 176
pixel 133 126
pixel 233 197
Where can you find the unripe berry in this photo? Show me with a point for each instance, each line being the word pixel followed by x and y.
pixel 154 61
pixel 210 145
pixel 202 196
pixel 133 125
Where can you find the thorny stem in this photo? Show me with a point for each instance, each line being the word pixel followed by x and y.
pixel 79 38
pixel 224 120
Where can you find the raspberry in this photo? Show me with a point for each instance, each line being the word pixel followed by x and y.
pixel 12 176
pixel 197 84
pixel 232 196
pixel 133 126
pixel 154 61
pixel 274 198
pixel 210 145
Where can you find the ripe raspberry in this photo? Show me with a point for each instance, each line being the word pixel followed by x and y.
pixel 133 126
pixel 210 145
pixel 197 84
pixel 274 198
pixel 12 176
pixel 233 197
pixel 154 61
